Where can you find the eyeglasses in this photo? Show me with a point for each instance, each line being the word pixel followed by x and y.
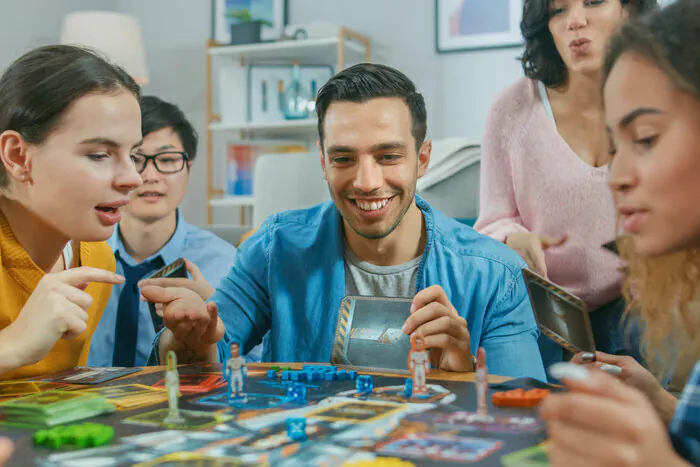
pixel 168 162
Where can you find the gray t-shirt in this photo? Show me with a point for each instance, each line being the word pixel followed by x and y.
pixel 363 278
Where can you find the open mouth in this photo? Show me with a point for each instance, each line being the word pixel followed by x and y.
pixel 108 209
pixel 150 194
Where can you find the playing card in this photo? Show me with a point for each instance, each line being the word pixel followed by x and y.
pixel 192 420
pixel 131 396
pixel 193 459
pixel 535 456
pixel 368 333
pixel 17 388
pixel 440 447
pixel 52 408
pixel 197 383
pixel 87 375
pixel 561 316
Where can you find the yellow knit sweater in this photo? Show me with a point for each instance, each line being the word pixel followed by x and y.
pixel 19 277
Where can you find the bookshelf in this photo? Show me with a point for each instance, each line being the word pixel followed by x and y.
pixel 227 94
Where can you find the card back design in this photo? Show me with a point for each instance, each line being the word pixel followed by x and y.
pixel 561 316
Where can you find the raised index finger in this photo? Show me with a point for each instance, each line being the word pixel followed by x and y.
pixel 80 277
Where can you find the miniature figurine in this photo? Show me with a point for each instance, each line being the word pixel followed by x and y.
pixel 172 384
pixel 418 365
pixel 236 368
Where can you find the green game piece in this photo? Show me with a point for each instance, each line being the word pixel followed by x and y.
pixel 275 368
pixel 287 368
pixel 86 435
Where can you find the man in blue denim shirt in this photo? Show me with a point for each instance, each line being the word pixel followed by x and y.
pixel 375 238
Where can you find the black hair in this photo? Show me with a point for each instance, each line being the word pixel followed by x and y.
pixel 157 114
pixel 38 88
pixel 670 39
pixel 541 60
pixel 366 81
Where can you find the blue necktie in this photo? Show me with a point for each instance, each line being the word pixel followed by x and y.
pixel 127 328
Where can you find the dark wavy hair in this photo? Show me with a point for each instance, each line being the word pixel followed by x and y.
pixel 541 60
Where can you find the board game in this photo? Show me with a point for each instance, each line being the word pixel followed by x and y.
pixel 312 417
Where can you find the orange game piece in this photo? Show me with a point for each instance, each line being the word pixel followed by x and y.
pixel 519 397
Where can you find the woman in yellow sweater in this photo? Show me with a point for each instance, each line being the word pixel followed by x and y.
pixel 69 122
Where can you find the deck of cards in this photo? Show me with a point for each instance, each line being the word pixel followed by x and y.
pixel 53 408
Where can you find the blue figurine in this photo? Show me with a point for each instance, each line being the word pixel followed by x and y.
pixel 296 392
pixel 296 428
pixel 364 384
pixel 408 388
pixel 236 368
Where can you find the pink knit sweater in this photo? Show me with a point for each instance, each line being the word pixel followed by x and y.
pixel 532 181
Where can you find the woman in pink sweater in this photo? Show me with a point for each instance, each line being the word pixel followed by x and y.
pixel 544 168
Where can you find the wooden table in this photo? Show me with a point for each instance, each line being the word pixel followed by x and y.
pixel 433 375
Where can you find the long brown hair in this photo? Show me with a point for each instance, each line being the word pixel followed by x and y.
pixel 665 291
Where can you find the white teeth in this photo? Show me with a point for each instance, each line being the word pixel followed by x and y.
pixel 371 206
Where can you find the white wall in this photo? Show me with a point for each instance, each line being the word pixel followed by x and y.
pixel 408 44
pixel 27 24
pixel 470 82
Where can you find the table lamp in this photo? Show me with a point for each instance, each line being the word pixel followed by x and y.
pixel 116 35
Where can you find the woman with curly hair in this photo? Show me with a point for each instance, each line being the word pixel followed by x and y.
pixel 544 167
pixel 652 102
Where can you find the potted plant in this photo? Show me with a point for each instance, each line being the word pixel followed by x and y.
pixel 247 29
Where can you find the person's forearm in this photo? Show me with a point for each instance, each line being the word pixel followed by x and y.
pixel 665 404
pixel 184 354
pixel 9 354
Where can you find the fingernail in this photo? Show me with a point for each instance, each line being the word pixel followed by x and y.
pixel 611 369
pixel 404 328
pixel 568 371
pixel 119 277
pixel 587 357
pixel 140 283
pixel 413 307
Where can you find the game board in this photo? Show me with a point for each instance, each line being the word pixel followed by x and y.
pixel 342 425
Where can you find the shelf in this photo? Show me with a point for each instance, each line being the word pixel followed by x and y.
pixel 308 51
pixel 232 201
pixel 306 126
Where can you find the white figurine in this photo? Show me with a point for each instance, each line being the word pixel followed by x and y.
pixel 419 365
pixel 236 367
pixel 172 384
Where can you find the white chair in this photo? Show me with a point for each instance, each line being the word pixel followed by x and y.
pixel 287 181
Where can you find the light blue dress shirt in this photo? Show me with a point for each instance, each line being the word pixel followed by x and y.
pixel 212 255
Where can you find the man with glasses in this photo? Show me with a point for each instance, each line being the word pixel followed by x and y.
pixel 152 234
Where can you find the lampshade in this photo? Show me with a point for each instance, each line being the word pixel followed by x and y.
pixel 116 35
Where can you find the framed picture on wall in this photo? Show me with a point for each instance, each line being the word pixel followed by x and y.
pixel 477 24
pixel 224 13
